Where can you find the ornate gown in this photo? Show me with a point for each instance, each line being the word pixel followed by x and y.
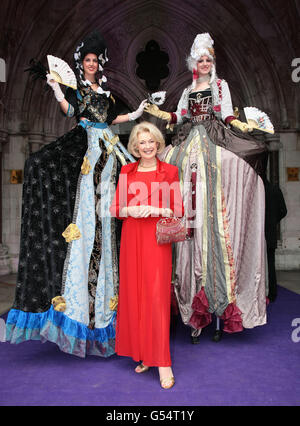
pixel 71 181
pixel 220 269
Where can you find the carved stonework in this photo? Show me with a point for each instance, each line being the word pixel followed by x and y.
pixel 35 142
pixel 152 65
pixel 273 143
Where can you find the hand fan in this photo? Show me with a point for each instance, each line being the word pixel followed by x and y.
pixel 61 72
pixel 258 120
pixel 157 98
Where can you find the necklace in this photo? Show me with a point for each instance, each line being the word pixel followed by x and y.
pixel 147 167
pixel 90 82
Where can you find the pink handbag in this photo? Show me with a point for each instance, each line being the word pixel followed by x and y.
pixel 170 230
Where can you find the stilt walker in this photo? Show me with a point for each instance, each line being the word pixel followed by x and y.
pixel 220 269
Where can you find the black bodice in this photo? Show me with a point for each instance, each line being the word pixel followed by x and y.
pixel 200 102
pixel 94 106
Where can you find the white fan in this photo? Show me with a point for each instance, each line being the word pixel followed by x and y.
pixel 157 98
pixel 258 120
pixel 61 72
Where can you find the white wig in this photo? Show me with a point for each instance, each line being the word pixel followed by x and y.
pixel 202 46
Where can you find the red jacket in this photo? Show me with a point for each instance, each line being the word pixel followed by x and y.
pixel 164 192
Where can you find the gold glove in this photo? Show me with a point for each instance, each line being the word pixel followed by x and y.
pixel 244 127
pixel 154 110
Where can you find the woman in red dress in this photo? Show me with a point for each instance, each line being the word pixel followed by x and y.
pixel 147 190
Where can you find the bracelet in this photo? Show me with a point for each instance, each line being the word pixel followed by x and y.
pixel 70 112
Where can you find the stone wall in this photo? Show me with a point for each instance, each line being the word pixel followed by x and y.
pixel 288 253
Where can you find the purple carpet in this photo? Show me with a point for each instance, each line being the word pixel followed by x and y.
pixel 254 367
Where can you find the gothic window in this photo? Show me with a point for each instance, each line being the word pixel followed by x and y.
pixel 152 65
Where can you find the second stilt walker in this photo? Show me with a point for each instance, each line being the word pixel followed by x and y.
pixel 220 269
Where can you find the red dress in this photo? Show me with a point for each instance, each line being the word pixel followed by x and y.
pixel 143 317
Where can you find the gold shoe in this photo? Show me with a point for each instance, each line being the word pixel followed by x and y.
pixel 167 383
pixel 142 368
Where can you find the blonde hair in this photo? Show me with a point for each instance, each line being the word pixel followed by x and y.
pixel 145 126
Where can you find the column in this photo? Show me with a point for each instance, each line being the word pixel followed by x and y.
pixel 35 142
pixel 274 146
pixel 5 266
pixel 13 159
pixel 288 254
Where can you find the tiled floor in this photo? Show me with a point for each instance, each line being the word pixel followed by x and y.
pixel 287 279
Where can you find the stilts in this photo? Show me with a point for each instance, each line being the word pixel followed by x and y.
pixel 195 334
pixel 218 332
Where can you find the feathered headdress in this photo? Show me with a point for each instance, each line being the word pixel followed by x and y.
pixel 93 43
